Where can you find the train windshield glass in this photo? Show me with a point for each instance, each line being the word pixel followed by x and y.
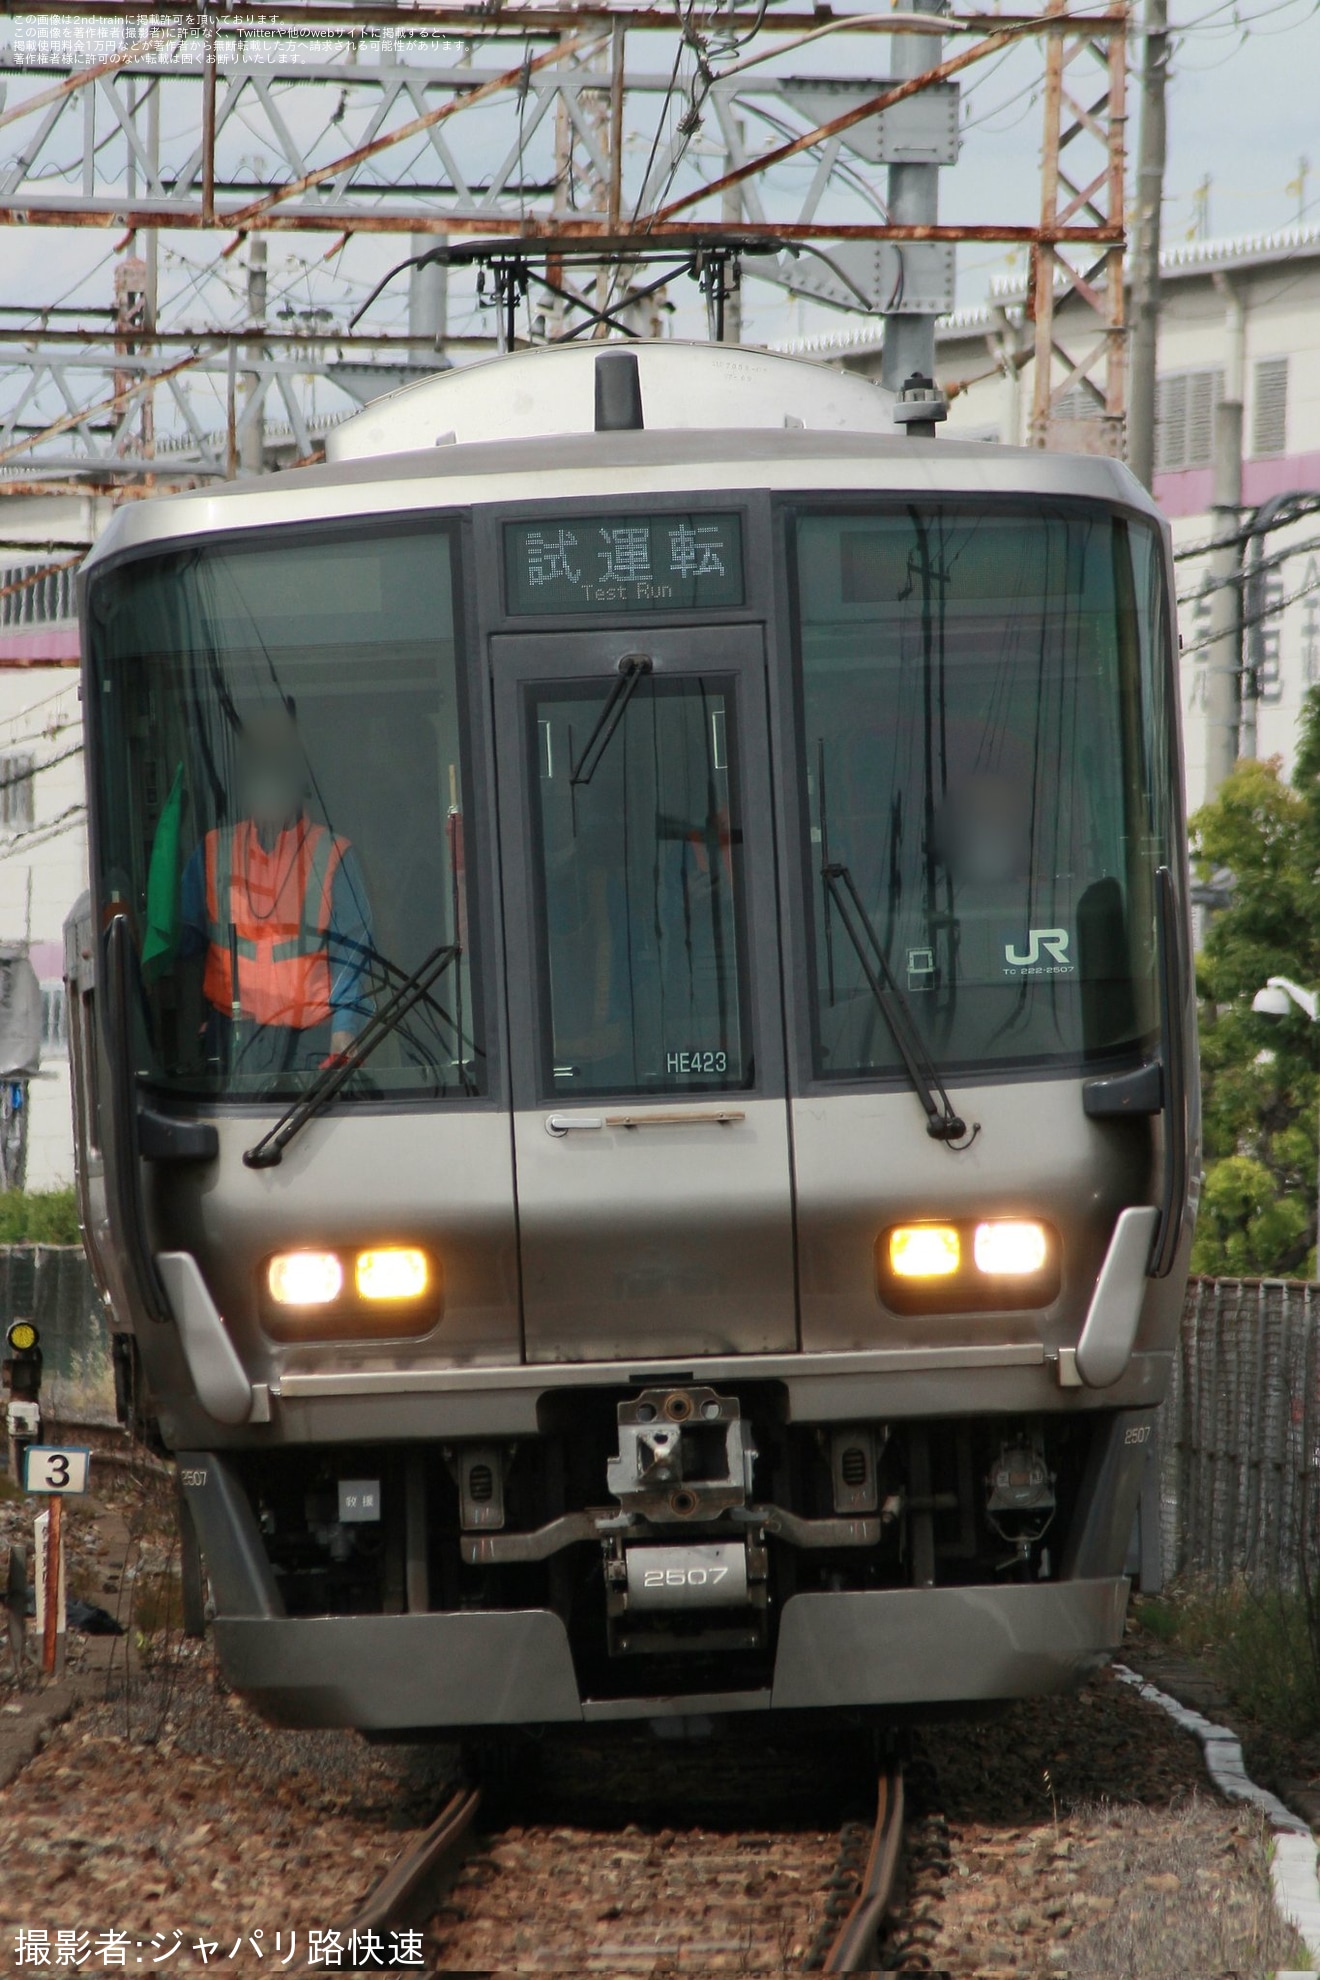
pixel 639 859
pixel 282 808
pixel 980 703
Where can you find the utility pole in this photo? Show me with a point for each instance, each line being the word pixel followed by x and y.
pixel 1230 709
pixel 1224 652
pixel 914 200
pixel 428 298
pixel 252 448
pixel 732 212
pixel 1146 244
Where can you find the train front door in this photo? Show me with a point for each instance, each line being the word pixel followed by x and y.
pixel 649 1120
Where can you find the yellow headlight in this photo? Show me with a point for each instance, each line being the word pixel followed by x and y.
pixel 392 1272
pixel 924 1251
pixel 304 1278
pixel 22 1336
pixel 1010 1248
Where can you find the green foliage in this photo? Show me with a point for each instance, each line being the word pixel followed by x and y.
pixel 39 1217
pixel 1264 1647
pixel 1261 1077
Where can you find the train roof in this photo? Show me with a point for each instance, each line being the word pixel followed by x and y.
pixel 553 391
pixel 522 429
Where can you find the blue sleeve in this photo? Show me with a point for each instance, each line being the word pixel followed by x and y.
pixel 350 946
pixel 194 924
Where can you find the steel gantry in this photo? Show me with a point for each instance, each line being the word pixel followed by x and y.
pixel 1075 297
pixel 535 142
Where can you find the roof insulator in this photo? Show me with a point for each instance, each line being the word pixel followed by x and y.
pixel 618 393
pixel 920 407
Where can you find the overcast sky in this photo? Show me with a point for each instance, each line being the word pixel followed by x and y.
pixel 1242 113
pixel 1244 108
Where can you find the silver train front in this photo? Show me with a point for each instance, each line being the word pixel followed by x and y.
pixel 666 1445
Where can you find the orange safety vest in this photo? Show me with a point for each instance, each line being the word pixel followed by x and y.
pixel 278 905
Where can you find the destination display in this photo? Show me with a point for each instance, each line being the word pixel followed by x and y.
pixel 669 563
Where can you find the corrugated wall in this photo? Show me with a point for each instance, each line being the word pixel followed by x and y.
pixel 1239 1451
pixel 51 1285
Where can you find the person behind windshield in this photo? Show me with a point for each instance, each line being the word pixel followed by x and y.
pixel 277 905
pixel 984 831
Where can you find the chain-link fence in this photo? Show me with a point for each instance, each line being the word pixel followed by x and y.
pixel 51 1285
pixel 1240 1436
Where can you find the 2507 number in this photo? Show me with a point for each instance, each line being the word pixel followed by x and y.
pixel 676 1577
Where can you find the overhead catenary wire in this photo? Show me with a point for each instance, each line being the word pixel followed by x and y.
pixel 1249 619
pixel 58 827
pixel 1273 562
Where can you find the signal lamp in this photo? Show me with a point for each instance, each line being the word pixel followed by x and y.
pixel 304 1278
pixel 924 1251
pixel 1011 1248
pixel 22 1337
pixel 392 1272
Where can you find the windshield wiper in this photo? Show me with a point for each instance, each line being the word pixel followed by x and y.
pixel 632 670
pixel 943 1123
pixel 269 1151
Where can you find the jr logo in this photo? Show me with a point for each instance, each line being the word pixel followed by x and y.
pixel 1052 941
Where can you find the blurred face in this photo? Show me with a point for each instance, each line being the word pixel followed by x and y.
pixel 272 774
pixel 984 831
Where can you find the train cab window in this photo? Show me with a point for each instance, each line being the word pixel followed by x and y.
pixel 985 802
pixel 282 806
pixel 639 878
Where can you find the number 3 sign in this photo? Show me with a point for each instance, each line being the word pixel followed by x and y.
pixel 46 1468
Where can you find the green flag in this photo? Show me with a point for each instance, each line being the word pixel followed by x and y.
pixel 163 905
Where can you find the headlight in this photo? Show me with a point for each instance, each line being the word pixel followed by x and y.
pixel 925 1251
pixel 996 1264
pixel 381 1291
pixel 304 1278
pixel 1011 1249
pixel 392 1272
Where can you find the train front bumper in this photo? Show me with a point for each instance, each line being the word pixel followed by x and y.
pixel 890 1647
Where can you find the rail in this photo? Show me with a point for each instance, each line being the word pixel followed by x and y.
pixel 413 1879
pixel 855 1948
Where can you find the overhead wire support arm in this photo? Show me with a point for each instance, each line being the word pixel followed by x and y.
pixel 377 153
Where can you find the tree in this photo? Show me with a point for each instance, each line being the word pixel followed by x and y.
pixel 1260 1077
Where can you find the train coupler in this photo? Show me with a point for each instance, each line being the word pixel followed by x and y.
pixel 685 1455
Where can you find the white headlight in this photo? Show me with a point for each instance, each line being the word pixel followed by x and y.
pixel 1010 1249
pixel 304 1278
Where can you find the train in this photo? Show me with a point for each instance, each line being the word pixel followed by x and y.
pixel 633 1045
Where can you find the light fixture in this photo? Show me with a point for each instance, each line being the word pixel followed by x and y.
pixel 1010 1248
pixel 304 1278
pixel 924 1251
pixel 392 1272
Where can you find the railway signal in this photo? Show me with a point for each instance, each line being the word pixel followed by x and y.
pixel 21 1373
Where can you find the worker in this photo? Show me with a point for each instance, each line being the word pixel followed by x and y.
pixel 277 906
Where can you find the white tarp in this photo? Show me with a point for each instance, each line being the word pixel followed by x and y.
pixel 20 1014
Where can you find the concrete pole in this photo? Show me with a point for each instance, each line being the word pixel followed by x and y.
pixel 253 441
pixel 1146 245
pixel 732 213
pixel 1224 653
pixel 151 256
pixel 428 296
pixel 914 200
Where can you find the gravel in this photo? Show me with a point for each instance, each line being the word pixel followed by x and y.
pixel 1073 1838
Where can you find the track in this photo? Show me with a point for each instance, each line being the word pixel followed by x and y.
pixel 854 1949
pixel 715 1875
pixel 406 1893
